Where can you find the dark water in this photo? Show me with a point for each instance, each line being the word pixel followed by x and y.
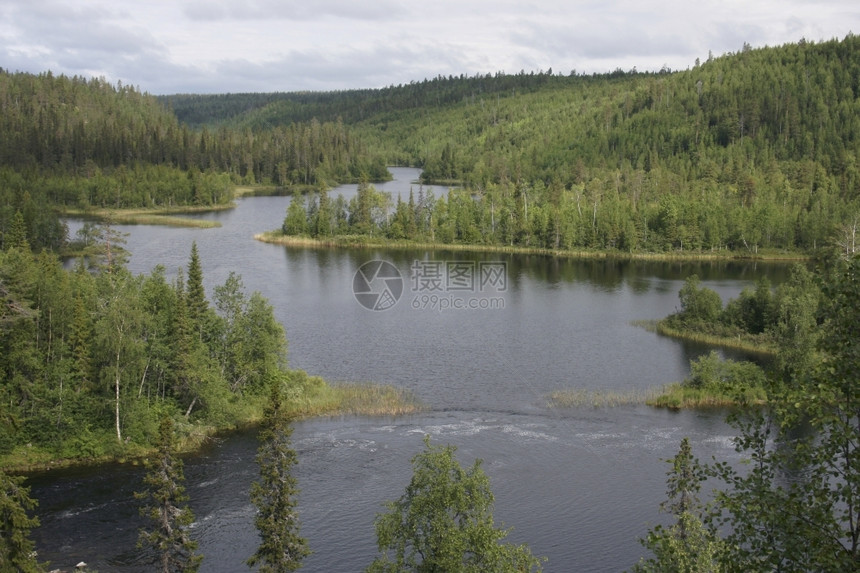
pixel 578 485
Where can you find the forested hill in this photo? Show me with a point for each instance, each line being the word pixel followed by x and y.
pixel 352 106
pixel 755 149
pixel 76 142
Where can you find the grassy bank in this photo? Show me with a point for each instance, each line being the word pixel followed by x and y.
pixel 747 343
pixel 674 396
pixel 364 241
pixel 320 399
pixel 169 216
pixel 678 396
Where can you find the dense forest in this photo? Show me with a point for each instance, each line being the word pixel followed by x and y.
pixel 91 358
pixel 755 150
pixel 747 153
pixel 74 142
pixel 752 150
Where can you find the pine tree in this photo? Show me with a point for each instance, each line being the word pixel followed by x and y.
pixel 17 236
pixel 687 546
pixel 166 508
pixel 80 338
pixel 195 293
pixel 281 549
pixel 16 547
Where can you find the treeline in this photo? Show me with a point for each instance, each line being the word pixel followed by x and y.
pixel 753 150
pixel 74 142
pixel 282 108
pixel 91 358
pixel 73 125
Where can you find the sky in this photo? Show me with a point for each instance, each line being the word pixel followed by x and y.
pixel 228 46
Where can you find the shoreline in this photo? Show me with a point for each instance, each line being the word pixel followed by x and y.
pixel 333 400
pixel 356 241
pixel 735 343
pixel 169 216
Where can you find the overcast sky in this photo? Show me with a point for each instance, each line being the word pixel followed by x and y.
pixel 219 46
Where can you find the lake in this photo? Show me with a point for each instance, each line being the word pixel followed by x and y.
pixel 481 339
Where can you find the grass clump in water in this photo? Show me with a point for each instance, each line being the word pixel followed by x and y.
pixel 582 398
pixel 714 383
pixel 312 396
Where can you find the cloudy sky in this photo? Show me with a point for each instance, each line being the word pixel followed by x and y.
pixel 218 46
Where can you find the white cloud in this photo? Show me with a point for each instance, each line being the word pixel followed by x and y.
pixel 168 46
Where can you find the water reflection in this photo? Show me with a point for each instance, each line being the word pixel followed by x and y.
pixel 579 485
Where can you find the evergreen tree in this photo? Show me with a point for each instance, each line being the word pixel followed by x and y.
pixel 17 236
pixel 165 507
pixel 195 294
pixel 686 546
pixel 274 495
pixel 16 547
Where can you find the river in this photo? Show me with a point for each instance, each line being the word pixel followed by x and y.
pixel 579 485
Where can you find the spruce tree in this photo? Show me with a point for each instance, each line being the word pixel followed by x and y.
pixel 687 546
pixel 281 548
pixel 17 235
pixel 16 547
pixel 195 293
pixel 165 507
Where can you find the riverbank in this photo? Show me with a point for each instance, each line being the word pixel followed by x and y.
pixel 326 400
pixel 362 241
pixel 170 216
pixel 749 343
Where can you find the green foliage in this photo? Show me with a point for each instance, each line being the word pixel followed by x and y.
pixel 164 505
pixel 726 376
pixel 17 553
pixel 687 546
pixel 759 319
pixel 274 495
pixel 699 303
pixel 794 508
pixel 707 159
pixel 444 522
pixel 89 359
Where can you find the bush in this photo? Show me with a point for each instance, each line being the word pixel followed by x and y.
pixel 699 303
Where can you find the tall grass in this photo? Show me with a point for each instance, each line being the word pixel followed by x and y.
pixel 746 343
pixel 159 216
pixel 676 396
pixel 582 398
pixel 364 241
pixel 364 399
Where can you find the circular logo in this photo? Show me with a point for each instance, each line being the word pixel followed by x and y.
pixel 377 285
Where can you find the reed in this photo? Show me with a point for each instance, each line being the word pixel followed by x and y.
pixel 365 241
pixel 582 398
pixel 677 396
pixel 359 399
pixel 748 344
pixel 161 216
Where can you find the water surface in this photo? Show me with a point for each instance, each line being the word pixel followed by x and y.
pixel 578 485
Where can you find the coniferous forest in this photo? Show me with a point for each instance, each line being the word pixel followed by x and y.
pixel 751 154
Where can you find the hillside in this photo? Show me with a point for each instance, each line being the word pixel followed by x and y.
pixel 752 150
pixel 78 143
